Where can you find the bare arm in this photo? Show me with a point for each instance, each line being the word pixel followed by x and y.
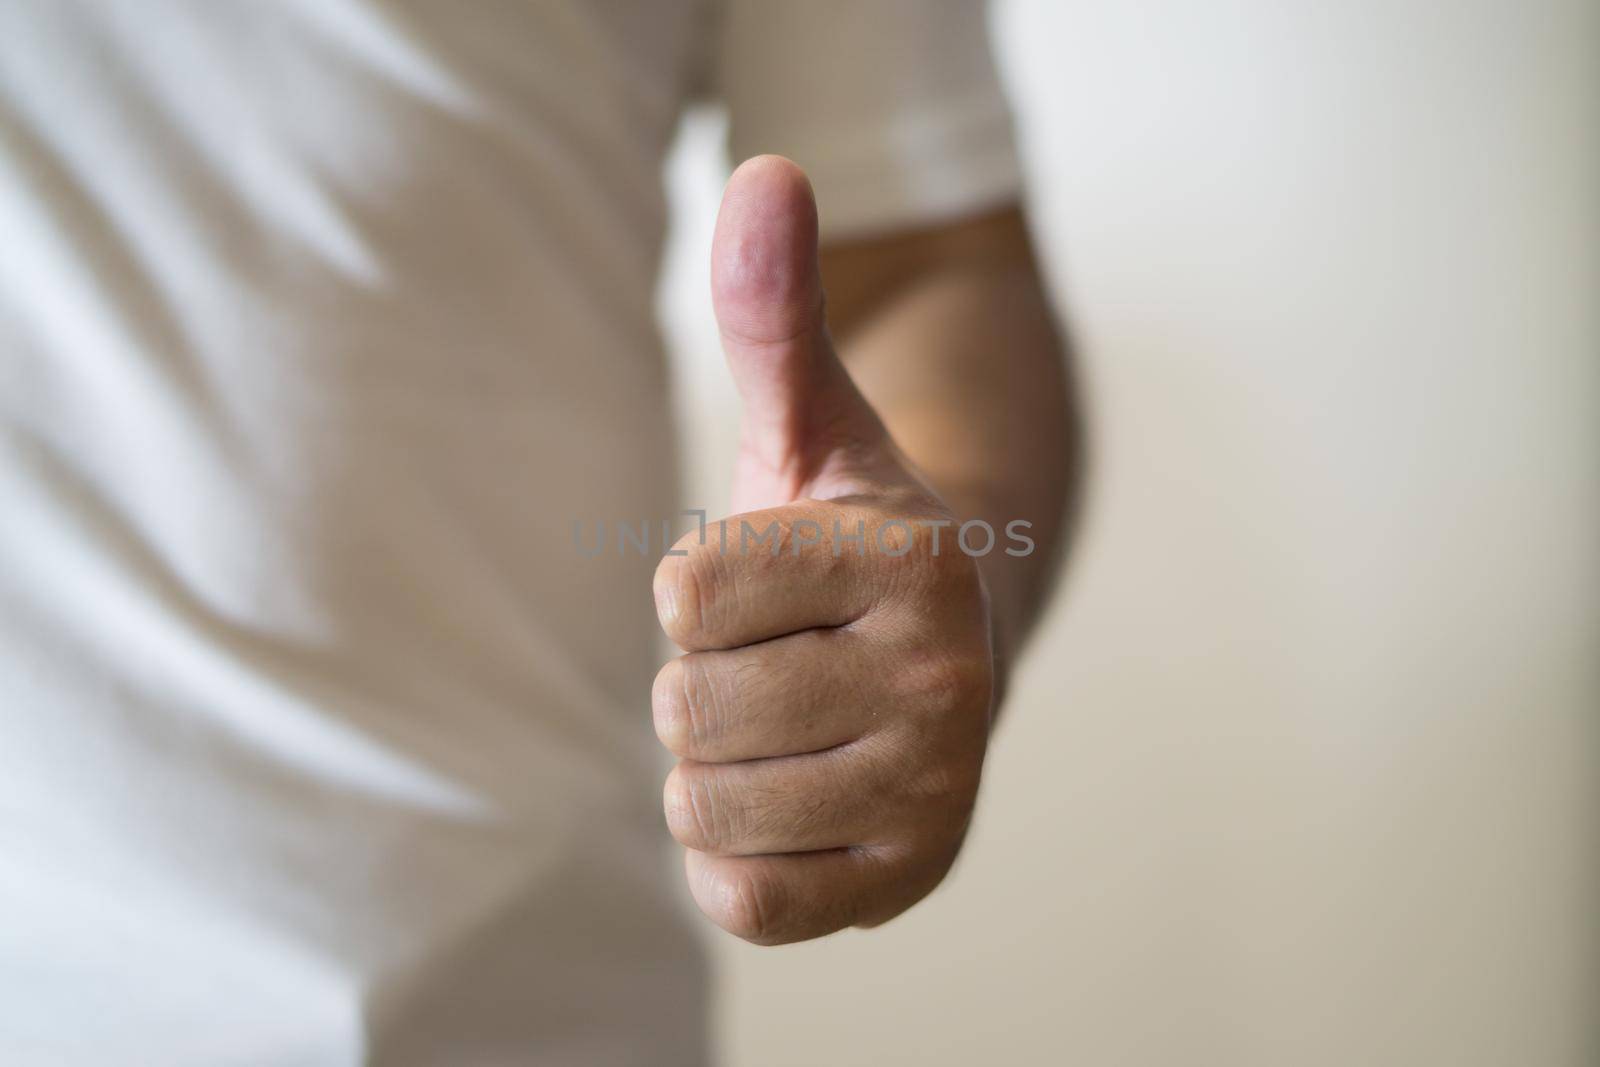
pixel 949 334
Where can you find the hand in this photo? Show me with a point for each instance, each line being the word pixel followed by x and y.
pixel 832 709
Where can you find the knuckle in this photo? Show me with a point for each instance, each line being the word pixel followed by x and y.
pixel 688 707
pixel 952 694
pixel 952 684
pixel 677 597
pixel 751 906
pixel 929 863
pixel 919 555
pixel 696 812
pixel 670 709
pixel 953 573
pixel 704 706
pixel 945 783
pixel 688 595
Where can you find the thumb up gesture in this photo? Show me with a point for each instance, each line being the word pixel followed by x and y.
pixel 831 708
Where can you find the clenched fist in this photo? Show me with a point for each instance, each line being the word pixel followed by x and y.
pixel 832 707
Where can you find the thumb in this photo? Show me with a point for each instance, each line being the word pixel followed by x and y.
pixel 806 430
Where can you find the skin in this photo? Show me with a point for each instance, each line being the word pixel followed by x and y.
pixel 833 705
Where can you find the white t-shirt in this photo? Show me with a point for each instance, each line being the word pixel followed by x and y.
pixel 321 322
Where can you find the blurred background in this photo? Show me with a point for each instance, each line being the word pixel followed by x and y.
pixel 1302 767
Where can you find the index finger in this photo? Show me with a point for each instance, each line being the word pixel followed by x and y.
pixel 768 573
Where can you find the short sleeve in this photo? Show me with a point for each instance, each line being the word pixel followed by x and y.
pixel 893 107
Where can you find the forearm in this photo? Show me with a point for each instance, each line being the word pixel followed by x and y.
pixel 961 358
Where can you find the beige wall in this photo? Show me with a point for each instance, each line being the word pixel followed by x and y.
pixel 1302 768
